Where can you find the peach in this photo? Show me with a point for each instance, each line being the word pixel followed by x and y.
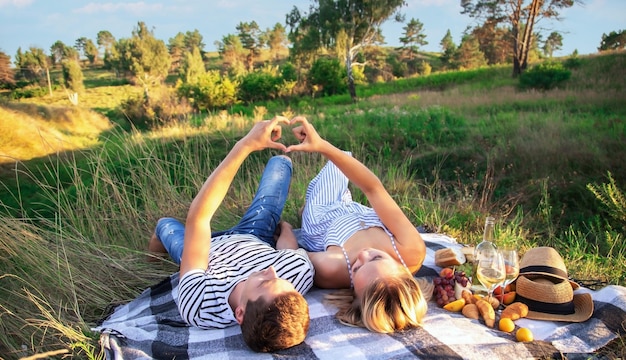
pixel 447 273
pixel 498 290
pixel 507 298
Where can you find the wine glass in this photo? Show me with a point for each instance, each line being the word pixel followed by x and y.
pixel 511 265
pixel 491 271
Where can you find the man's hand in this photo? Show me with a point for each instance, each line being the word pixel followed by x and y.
pixel 265 134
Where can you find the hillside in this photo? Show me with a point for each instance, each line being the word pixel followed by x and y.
pixel 29 130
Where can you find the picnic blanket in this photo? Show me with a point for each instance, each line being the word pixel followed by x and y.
pixel 149 327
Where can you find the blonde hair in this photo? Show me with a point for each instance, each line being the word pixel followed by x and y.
pixel 387 305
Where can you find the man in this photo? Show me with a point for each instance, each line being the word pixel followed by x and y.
pixel 250 278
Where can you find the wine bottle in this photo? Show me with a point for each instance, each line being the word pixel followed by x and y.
pixel 486 246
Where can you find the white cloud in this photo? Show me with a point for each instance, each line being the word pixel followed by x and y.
pixel 16 3
pixel 133 7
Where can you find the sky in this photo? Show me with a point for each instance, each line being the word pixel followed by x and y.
pixel 40 23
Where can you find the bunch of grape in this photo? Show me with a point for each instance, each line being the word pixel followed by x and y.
pixel 444 285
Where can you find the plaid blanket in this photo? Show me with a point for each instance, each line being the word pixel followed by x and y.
pixel 150 327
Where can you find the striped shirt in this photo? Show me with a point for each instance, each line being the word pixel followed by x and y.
pixel 203 295
pixel 330 216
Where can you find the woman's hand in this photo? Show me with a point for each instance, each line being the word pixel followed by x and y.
pixel 285 238
pixel 265 134
pixel 310 140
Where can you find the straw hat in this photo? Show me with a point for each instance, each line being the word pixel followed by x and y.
pixel 544 261
pixel 550 298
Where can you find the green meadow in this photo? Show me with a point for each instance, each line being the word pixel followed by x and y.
pixel 81 190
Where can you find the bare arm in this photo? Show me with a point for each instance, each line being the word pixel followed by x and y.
pixel 263 135
pixel 330 270
pixel 286 238
pixel 409 241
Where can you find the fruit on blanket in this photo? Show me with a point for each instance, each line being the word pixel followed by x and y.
pixel 498 290
pixel 506 298
pixel 487 312
pixel 446 273
pixel 506 325
pixel 455 306
pixel 471 311
pixel 524 335
pixel 444 286
pixel 515 311
pixel 444 289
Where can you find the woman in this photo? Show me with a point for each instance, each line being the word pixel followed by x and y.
pixel 374 251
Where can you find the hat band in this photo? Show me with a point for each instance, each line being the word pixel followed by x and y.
pixel 543 269
pixel 550 308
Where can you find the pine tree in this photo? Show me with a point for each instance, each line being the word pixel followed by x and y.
pixel 469 55
pixel 448 50
pixel 553 42
pixel 7 77
pixel 413 38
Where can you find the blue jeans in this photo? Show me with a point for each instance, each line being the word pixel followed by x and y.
pixel 260 219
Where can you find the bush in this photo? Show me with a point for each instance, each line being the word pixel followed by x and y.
pixel 572 63
pixel 289 72
pixel 259 85
pixel 358 73
pixel 31 92
pixel 328 76
pixel 149 112
pixel 398 68
pixel 424 68
pixel 545 76
pixel 73 76
pixel 211 91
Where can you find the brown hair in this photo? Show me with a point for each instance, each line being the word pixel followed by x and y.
pixel 280 324
pixel 387 305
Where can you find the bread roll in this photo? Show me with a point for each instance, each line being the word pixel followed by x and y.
pixel 449 257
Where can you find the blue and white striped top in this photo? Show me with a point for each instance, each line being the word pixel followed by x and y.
pixel 330 216
pixel 203 295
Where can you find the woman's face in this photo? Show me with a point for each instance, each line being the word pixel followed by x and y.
pixel 372 264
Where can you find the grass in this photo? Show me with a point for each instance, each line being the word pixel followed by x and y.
pixel 544 164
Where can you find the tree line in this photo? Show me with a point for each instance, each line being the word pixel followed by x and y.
pixel 328 48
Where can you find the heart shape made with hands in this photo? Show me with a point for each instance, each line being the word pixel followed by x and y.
pixel 299 126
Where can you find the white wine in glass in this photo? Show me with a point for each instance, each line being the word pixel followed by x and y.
pixel 491 271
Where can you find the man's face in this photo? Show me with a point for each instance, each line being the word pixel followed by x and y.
pixel 266 284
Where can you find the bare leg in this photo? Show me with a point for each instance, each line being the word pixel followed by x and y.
pixel 156 249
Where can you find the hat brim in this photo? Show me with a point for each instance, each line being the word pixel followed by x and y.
pixel 583 305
